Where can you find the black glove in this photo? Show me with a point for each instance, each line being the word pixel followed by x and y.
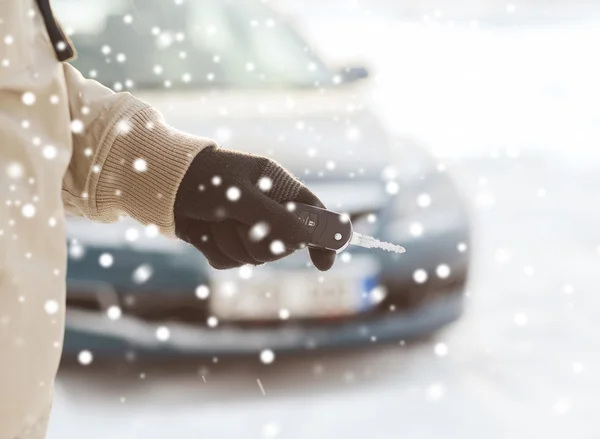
pixel 233 207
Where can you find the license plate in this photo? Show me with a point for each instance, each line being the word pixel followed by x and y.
pixel 272 294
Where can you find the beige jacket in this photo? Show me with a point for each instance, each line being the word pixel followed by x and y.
pixel 65 143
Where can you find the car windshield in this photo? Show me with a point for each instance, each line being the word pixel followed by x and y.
pixel 193 43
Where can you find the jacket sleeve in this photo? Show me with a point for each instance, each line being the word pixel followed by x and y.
pixel 126 161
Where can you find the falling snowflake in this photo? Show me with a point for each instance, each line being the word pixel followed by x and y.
pixel 265 184
pixel 416 229
pixel 202 292
pixel 250 66
pixel 106 260
pixel 424 200
pixel 277 247
pixel 105 50
pixel 140 165
pixel 271 430
pixel 377 294
pixel 233 193
pixel 14 170
pixel 186 77
pixel 259 231
pixel 52 221
pixel 216 180
pixel 127 19
pixel 284 314
pixel 371 218
pixel 163 333
pixel 157 69
pixel 245 272
pixel 462 247
pixel 142 274
pixel 443 271
pixel 123 127
pixel 420 276
pixel 520 319
pixel 25 124
pixel 28 98
pixel 88 152
pixel 330 165
pixel 353 134
pixel 49 152
pixel 85 358
pixel 577 367
pixel 346 257
pixel 440 349
pixel 51 307
pixel 511 8
pixel 8 40
pixel 132 234
pixel 212 321
pixel 267 356
pixel 76 126
pixel 392 187
pixel 114 312
pixel 151 230
pixel 562 406
pixel 121 57
pixel 76 250
pixel 435 391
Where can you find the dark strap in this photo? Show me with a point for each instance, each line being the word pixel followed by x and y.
pixel 62 45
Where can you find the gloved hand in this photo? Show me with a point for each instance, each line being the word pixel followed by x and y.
pixel 229 206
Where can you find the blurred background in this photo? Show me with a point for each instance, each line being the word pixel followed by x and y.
pixel 465 130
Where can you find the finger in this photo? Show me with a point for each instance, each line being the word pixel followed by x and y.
pixel 281 222
pixel 321 258
pixel 263 249
pixel 307 197
pixel 199 235
pixel 228 240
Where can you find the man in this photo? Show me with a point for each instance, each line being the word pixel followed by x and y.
pixel 70 143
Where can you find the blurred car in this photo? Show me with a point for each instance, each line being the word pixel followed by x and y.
pixel 237 72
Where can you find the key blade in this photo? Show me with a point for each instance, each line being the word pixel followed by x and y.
pixel 370 242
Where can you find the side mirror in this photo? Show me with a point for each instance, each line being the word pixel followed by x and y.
pixel 352 74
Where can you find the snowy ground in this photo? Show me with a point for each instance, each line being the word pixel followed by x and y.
pixel 522 363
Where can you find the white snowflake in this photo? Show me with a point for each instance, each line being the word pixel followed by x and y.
pixel 114 312
pixel 353 134
pixel 245 272
pixel 14 170
pixel 271 430
pixel 202 292
pixel 163 333
pixel 284 314
pixel 85 358
pixel 346 257
pixel 392 187
pixel 462 247
pixel 520 319
pixel 277 247
pixel 132 234
pixel 424 200
pixel 212 321
pixel 259 231
pixel 233 193
pixel 416 229
pixel 121 57
pixel 76 250
pixel 77 126
pixel 123 127
pixel 127 19
pixel 28 98
pixel 441 349
pixel 267 356
pixel 142 274
pixel 8 40
pixel 265 184
pixel 216 180
pixel 186 77
pixel 436 391
pixel 106 260
pixel 51 307
pixel 420 276
pixel 377 294
pixel 105 49
pixel 140 165
pixel 157 69
pixel 49 152
pixel 443 271
pixel 250 66
pixel 330 165
pixel 151 230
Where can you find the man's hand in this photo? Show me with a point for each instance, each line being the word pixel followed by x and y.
pixel 233 208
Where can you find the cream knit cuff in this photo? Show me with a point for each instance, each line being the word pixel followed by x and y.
pixel 145 161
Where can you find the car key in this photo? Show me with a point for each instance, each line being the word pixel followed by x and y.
pixel 333 231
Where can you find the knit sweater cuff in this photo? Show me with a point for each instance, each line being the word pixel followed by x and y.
pixel 145 161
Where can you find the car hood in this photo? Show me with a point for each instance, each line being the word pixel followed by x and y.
pixel 317 134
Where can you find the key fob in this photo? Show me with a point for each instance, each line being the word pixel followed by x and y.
pixel 326 229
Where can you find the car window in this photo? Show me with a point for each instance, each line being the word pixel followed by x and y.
pixel 195 43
